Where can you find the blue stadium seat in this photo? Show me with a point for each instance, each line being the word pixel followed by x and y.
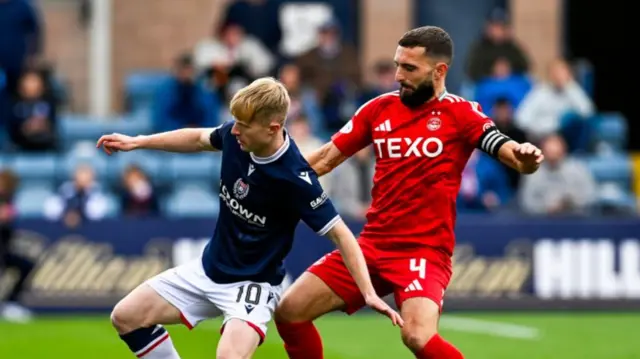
pixel 29 200
pixel 141 86
pixel 610 195
pixel 33 166
pixel 71 161
pixel 72 128
pixel 611 129
pixel 191 201
pixel 151 163
pixel 46 183
pixel 195 167
pixel 615 168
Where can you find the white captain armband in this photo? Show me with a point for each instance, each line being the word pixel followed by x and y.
pixel 491 141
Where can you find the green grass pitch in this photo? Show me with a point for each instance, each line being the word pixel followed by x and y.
pixel 365 336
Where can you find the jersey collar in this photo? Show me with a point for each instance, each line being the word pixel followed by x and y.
pixel 274 157
pixel 443 94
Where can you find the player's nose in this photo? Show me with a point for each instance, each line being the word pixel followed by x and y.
pixel 234 130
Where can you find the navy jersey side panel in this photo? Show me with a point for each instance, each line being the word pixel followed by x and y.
pixel 313 203
pixel 219 133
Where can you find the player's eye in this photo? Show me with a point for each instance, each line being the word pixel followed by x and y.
pixel 409 68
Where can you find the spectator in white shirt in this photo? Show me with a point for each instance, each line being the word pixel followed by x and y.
pixel 557 106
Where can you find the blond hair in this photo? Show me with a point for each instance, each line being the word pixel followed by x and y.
pixel 265 100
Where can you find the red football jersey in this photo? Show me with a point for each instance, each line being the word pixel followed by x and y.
pixel 420 155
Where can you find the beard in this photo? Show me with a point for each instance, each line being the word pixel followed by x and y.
pixel 419 94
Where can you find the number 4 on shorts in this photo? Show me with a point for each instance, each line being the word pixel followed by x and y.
pixel 418 265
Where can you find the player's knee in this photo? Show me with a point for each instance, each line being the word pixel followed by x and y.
pixel 415 336
pixel 288 310
pixel 121 320
pixel 126 318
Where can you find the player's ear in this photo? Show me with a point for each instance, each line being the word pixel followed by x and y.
pixel 274 127
pixel 441 69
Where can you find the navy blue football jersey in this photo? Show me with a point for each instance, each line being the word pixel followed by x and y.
pixel 262 201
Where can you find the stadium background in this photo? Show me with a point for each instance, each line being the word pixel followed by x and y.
pixel 561 285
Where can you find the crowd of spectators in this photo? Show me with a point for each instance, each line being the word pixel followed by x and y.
pixel 326 83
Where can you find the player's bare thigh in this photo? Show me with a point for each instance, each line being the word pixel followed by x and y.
pixel 142 308
pixel 238 341
pixel 421 317
pixel 307 299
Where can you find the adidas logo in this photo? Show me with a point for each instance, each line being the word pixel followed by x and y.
pixel 384 127
pixel 415 285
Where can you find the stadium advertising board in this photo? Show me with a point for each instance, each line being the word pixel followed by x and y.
pixel 500 263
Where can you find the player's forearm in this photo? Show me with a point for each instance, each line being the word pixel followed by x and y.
pixel 315 161
pixel 354 260
pixel 184 140
pixel 325 159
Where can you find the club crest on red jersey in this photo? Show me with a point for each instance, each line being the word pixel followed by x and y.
pixel 434 123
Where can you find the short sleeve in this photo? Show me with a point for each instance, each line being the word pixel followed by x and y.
pixel 356 134
pixel 479 130
pixel 219 133
pixel 313 203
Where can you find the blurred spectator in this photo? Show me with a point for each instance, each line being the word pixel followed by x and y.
pixel 502 115
pixel 351 184
pixel 21 38
pixel 485 185
pixel 299 129
pixel 559 105
pixel 33 114
pixel 303 100
pixel 496 43
pixel 10 309
pixel 384 81
pixel 561 185
pixel 77 200
pixel 502 83
pixel 182 102
pixel 234 56
pixel 138 196
pixel 259 18
pixel 332 69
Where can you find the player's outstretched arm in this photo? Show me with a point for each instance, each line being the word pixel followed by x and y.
pixel 184 140
pixel 326 158
pixel 354 260
pixel 523 157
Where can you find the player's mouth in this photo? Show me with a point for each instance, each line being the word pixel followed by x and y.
pixel 407 88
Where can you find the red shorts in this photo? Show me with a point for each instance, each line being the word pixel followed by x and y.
pixel 406 274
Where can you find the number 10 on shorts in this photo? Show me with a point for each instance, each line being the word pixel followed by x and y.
pixel 418 265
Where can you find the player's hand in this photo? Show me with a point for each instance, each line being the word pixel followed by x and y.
pixel 379 305
pixel 529 157
pixel 117 142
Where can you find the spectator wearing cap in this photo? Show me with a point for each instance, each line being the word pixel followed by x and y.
pixel 496 43
pixel 332 69
pixel 182 102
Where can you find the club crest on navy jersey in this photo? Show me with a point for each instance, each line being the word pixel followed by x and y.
pixel 240 189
